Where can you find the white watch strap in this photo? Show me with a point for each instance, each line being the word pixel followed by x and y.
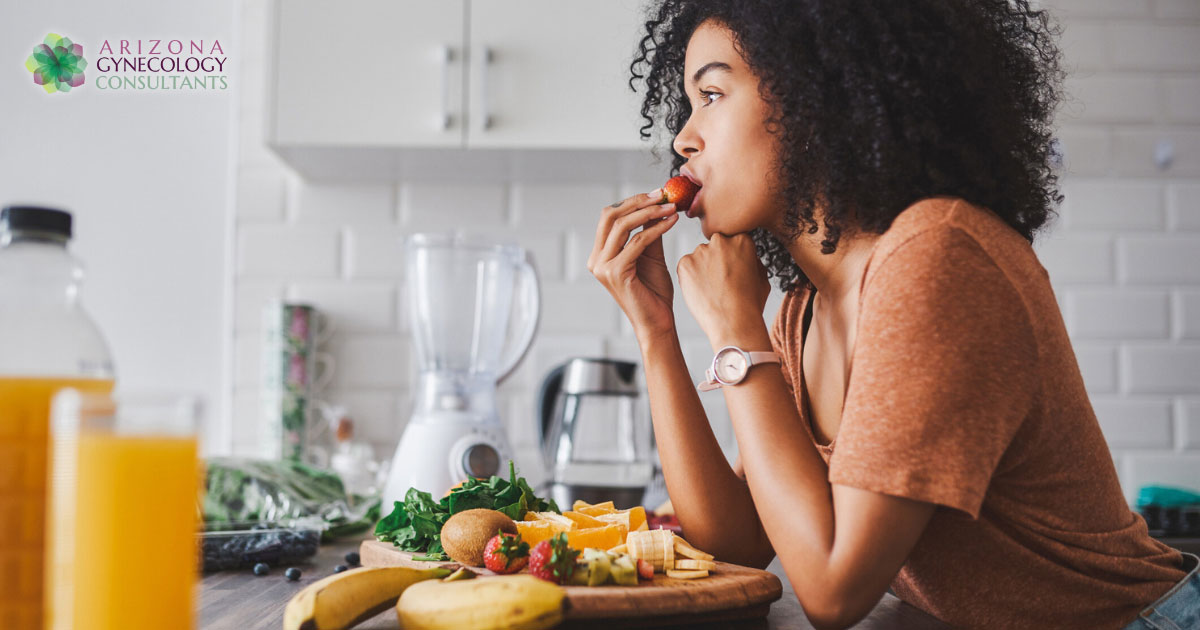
pixel 762 357
pixel 710 383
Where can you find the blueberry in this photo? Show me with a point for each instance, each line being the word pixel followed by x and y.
pixel 261 568
pixel 292 574
pixel 339 568
pixel 352 559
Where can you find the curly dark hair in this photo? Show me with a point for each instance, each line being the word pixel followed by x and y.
pixel 879 104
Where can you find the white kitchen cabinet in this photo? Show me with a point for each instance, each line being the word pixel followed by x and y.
pixel 367 73
pixel 553 73
pixel 366 84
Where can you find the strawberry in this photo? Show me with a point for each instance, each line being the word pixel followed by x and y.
pixel 505 553
pixel 680 191
pixel 552 560
pixel 645 569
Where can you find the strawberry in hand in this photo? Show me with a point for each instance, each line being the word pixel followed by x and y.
pixel 680 191
pixel 553 560
pixel 505 553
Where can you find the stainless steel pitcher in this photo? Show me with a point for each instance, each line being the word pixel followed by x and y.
pixel 596 437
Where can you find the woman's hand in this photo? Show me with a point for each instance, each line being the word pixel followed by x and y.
pixel 726 288
pixel 634 270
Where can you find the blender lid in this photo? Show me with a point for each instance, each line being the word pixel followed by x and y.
pixel 457 239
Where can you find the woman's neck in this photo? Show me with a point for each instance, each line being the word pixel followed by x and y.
pixel 835 275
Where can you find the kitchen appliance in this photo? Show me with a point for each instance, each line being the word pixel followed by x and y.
pixel 596 441
pixel 473 309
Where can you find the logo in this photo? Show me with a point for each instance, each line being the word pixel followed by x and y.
pixel 57 64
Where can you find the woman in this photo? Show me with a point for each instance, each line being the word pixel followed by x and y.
pixel 926 426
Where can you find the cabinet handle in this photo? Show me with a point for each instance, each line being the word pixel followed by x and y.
pixel 485 116
pixel 444 56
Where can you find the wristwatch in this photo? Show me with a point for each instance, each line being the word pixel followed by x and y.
pixel 730 366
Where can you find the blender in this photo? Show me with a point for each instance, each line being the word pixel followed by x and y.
pixel 473 308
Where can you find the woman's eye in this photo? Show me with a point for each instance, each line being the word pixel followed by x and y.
pixel 705 94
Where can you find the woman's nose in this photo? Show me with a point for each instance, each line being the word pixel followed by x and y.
pixel 687 142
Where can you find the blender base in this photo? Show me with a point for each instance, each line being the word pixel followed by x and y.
pixel 430 456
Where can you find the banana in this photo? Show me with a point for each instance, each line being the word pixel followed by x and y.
pixel 666 541
pixel 686 575
pixel 688 564
pixel 684 548
pixel 661 548
pixel 350 597
pixel 510 602
pixel 656 546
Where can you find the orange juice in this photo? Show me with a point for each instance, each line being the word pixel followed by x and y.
pixel 133 556
pixel 24 426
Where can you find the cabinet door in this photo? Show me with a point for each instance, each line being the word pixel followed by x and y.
pixel 367 73
pixel 553 74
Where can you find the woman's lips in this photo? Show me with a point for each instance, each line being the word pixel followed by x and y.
pixel 692 211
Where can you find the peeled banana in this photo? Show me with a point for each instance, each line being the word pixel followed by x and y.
pixel 661 548
pixel 656 546
pixel 510 602
pixel 350 597
pixel 688 564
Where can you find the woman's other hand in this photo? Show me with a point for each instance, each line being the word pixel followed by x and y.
pixel 634 269
pixel 725 286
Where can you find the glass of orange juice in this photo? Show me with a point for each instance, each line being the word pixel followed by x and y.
pixel 124 487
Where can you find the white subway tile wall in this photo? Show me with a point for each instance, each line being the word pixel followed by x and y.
pixel 1124 255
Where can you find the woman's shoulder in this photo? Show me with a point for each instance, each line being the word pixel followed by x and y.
pixel 944 232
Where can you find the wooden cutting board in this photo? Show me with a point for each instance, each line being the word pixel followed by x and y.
pixel 730 592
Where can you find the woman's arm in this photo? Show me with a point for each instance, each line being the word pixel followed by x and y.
pixel 713 504
pixel 840 546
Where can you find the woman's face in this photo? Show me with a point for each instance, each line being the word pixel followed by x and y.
pixel 725 140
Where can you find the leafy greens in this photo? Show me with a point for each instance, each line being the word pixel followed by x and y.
pixel 415 523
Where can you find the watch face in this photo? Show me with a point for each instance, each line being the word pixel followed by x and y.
pixel 731 366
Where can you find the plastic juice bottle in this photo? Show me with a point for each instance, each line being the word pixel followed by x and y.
pixel 47 342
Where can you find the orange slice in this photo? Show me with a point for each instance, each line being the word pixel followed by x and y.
pixel 605 537
pixel 600 508
pixel 584 520
pixel 534 532
pixel 634 519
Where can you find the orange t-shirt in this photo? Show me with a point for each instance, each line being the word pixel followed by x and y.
pixel 964 392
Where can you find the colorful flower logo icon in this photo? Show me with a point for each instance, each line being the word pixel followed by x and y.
pixel 57 64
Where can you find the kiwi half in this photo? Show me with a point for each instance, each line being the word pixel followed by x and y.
pixel 465 534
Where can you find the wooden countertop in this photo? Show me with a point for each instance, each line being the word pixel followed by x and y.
pixel 240 600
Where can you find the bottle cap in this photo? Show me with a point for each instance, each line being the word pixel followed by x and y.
pixel 35 219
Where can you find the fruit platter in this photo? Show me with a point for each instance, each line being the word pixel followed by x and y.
pixel 491 554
